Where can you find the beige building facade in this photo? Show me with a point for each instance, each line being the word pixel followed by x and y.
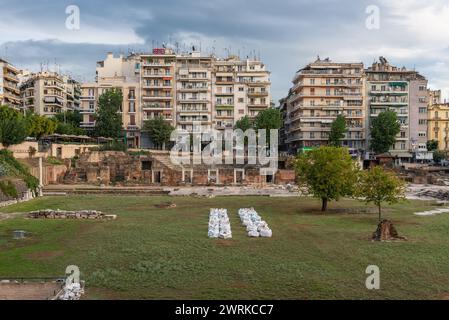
pixel 321 91
pixel 185 89
pixel 48 93
pixel 9 85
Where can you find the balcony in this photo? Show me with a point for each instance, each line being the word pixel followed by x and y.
pixel 257 94
pixel 87 98
pixel 158 106
pixel 87 111
pixel 87 124
pixel 258 106
pixel 153 97
pixel 156 75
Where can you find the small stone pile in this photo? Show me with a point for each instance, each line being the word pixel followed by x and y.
pixel 60 214
pixel 254 224
pixel 219 224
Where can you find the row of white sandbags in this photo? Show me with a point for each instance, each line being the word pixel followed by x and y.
pixel 219 225
pixel 254 224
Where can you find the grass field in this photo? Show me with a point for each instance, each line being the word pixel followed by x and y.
pixel 151 253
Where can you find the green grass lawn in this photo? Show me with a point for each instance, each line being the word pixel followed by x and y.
pixel 151 253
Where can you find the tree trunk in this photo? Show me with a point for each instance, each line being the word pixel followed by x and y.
pixel 380 212
pixel 163 145
pixel 323 204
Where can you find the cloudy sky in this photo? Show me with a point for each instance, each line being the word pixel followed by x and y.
pixel 287 34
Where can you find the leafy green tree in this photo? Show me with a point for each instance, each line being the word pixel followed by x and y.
pixel 267 119
pixel 338 130
pixel 378 185
pixel 328 173
pixel 243 124
pixel 432 145
pixel 159 130
pixel 384 130
pixel 108 119
pixel 13 129
pixel 69 123
pixel 439 155
pixel 38 126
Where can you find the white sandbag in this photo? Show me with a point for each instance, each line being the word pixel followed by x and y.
pixel 266 233
pixel 253 234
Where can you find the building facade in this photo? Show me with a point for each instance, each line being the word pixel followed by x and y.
pixel 183 88
pixel 9 85
pixel 48 93
pixel 404 92
pixel 119 73
pixel 321 91
pixel 438 125
pixel 241 88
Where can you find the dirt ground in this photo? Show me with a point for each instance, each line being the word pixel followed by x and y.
pixel 28 291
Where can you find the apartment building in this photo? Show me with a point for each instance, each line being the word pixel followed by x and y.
pixel 158 85
pixel 48 93
pixel 9 85
pixel 119 73
pixel 438 125
pixel 321 91
pixel 185 89
pixel 240 88
pixel 405 92
pixel 434 97
pixel 194 90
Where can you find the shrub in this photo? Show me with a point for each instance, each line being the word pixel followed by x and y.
pixel 54 161
pixel 113 146
pixel 8 188
pixel 14 168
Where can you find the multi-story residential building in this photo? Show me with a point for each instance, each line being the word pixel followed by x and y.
pixel 123 74
pixel 241 88
pixel 48 93
pixel 321 91
pixel 158 85
pixel 185 89
pixel 405 92
pixel 9 89
pixel 434 97
pixel 193 90
pixel 438 125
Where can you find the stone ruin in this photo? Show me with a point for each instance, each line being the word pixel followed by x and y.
pixel 386 232
pixel 156 168
pixel 60 214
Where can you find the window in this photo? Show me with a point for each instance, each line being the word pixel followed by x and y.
pixel 421 134
pixel 241 100
pixel 422 110
pixel 241 89
pixel 132 107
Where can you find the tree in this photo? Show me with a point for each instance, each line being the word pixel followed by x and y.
pixel 267 119
pixel 328 173
pixel 384 130
pixel 338 130
pixel 12 127
pixel 439 155
pixel 108 119
pixel 38 126
pixel 378 185
pixel 432 145
pixel 159 130
pixel 243 124
pixel 73 118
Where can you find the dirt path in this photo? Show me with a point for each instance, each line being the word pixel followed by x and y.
pixel 28 291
